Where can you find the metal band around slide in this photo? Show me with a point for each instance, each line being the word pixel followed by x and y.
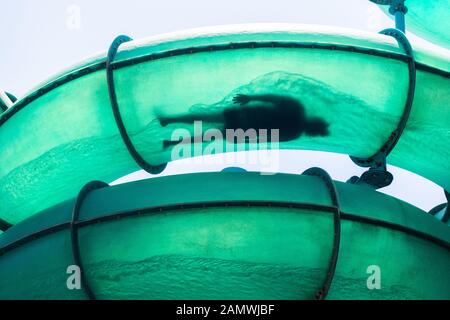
pixel 91 186
pixel 115 107
pixel 373 161
pixel 257 204
pixel 329 183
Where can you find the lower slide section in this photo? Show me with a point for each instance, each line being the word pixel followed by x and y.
pixel 228 236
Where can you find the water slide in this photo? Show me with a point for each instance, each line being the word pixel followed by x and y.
pixel 255 237
pixel 64 133
pixel 101 120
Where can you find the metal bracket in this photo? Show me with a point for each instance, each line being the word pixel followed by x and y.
pixel 325 177
pixel 91 186
pixel 443 206
pixel 377 176
pixel 115 107
pixel 398 9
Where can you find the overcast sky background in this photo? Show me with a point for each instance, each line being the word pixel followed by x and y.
pixel 40 38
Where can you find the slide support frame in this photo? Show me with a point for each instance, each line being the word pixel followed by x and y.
pixel 91 186
pixel 378 176
pixel 322 293
pixel 151 169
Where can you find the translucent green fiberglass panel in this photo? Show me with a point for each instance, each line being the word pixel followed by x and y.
pixel 192 189
pixel 428 19
pixel 425 141
pixel 204 188
pixel 410 268
pixel 365 202
pixel 37 270
pixel 64 138
pixel 331 85
pixel 214 253
pixel 228 253
pixel 68 136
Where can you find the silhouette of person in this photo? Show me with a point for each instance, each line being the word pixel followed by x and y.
pixel 257 112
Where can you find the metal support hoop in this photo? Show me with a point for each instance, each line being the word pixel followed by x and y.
pixel 377 175
pixel 91 186
pixel 115 107
pixel 389 145
pixel 329 183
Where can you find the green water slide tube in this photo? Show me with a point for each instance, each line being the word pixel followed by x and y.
pixel 64 133
pixel 228 235
pixel 425 18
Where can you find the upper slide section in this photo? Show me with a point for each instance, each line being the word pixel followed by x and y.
pixel 64 134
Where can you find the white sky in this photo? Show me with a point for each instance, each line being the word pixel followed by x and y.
pixel 40 38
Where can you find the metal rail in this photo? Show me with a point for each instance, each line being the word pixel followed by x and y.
pixel 91 186
pixel 117 115
pixel 329 183
pixel 378 176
